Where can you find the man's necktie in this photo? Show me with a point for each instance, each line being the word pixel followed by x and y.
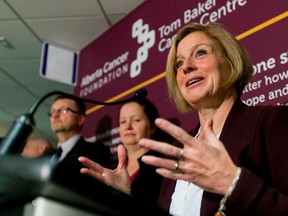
pixel 58 153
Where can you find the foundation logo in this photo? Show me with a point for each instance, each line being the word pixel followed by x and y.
pixel 147 39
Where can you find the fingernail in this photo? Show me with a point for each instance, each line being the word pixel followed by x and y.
pixel 141 142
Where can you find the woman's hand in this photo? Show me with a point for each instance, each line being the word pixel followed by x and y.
pixel 204 162
pixel 117 178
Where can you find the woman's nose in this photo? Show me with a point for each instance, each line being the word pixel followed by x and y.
pixel 188 66
pixel 128 125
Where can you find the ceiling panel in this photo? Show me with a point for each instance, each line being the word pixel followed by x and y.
pixel 116 7
pixel 65 31
pixel 24 43
pixel 5 12
pixel 39 9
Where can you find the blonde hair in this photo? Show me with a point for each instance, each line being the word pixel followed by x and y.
pixel 232 53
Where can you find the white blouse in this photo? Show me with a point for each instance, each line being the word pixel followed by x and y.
pixel 187 197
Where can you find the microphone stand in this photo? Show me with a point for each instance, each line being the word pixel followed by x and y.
pixel 24 124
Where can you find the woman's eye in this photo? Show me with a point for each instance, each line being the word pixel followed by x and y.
pixel 178 64
pixel 200 53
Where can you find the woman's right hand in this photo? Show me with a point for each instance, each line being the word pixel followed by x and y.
pixel 117 178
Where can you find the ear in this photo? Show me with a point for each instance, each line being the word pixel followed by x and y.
pixel 82 119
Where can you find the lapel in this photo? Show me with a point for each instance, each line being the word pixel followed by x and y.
pixel 77 150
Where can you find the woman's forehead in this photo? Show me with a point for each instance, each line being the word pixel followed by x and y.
pixel 193 39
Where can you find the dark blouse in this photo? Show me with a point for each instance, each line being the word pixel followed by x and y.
pixel 146 184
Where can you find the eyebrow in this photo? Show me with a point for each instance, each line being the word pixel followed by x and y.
pixel 195 46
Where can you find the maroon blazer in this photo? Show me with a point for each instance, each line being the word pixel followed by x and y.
pixel 257 140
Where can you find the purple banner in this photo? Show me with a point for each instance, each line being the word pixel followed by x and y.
pixel 133 55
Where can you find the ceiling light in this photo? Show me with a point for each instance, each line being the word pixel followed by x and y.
pixel 5 43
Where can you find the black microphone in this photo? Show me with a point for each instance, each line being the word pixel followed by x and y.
pixel 140 93
pixel 24 124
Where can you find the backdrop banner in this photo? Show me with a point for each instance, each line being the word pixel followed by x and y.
pixel 133 55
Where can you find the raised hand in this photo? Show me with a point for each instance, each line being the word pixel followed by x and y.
pixel 117 178
pixel 201 161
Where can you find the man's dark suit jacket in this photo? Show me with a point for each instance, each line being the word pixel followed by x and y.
pixel 257 140
pixel 68 170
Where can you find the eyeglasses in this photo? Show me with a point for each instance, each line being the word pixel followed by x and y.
pixel 62 110
pixel 200 52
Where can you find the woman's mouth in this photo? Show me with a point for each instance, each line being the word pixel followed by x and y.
pixel 193 81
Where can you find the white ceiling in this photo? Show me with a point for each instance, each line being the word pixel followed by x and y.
pixel 26 24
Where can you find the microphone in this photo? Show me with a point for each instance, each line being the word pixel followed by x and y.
pixel 24 124
pixel 140 93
